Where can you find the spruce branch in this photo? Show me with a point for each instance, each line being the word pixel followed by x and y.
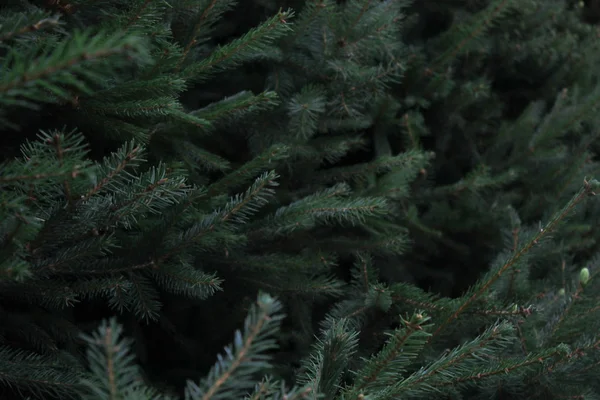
pixel 155 106
pixel 143 298
pixel 413 160
pixel 458 362
pixel 314 13
pixel 589 188
pixel 365 295
pixel 111 174
pixel 304 110
pixel 463 36
pixel 199 159
pixel 329 149
pixel 39 340
pixel 478 181
pixel 41 375
pixel 532 362
pixel 148 193
pixel 460 40
pixel 413 127
pixel 389 243
pixel 113 372
pixel 206 15
pixel 14 25
pixel 67 69
pixel 232 375
pixel 143 16
pixel 43 161
pixel 565 313
pixel 315 286
pixel 256 41
pixel 182 278
pixel 16 270
pixel 278 263
pixel 329 359
pixel 565 117
pixel 363 272
pixel 332 205
pixel 268 389
pixel 52 294
pixel 369 28
pixel 158 87
pixel 256 196
pixel 218 227
pixel 390 364
pixel 77 256
pixel 261 162
pixel 235 107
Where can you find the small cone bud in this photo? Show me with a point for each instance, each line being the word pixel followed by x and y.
pixel 593 185
pixel 561 292
pixel 584 276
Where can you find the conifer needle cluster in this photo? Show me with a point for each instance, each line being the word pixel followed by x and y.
pixel 380 200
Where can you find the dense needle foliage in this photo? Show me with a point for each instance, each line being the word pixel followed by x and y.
pixel 379 199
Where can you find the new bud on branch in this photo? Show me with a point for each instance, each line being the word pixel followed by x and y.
pixel 584 276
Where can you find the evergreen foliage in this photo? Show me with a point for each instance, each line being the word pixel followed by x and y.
pixel 411 182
